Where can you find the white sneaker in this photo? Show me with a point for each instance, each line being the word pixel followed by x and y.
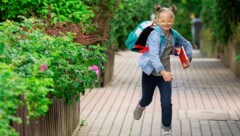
pixel 166 132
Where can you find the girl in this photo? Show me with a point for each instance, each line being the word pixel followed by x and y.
pixel 155 65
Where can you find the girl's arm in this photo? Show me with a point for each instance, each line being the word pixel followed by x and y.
pixel 186 44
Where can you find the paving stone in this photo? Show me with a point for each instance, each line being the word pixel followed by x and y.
pixel 215 128
pixel 208 114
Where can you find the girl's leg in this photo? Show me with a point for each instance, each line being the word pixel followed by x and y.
pixel 165 89
pixel 149 84
pixel 148 87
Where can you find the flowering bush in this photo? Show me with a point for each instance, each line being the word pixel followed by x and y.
pixel 45 66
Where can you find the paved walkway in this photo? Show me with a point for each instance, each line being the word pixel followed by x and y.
pixel 206 101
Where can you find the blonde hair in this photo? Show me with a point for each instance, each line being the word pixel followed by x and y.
pixel 159 9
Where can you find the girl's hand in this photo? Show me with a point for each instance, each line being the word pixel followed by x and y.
pixel 186 65
pixel 167 76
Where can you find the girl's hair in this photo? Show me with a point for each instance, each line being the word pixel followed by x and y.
pixel 160 9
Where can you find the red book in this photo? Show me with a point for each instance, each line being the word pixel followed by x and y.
pixel 182 56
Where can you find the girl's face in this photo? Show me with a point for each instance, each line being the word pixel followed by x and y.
pixel 166 20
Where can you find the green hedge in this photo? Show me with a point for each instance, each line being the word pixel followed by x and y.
pixel 41 67
pixel 222 16
pixel 11 86
pixel 73 11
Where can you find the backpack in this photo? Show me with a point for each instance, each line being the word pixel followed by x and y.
pixel 137 39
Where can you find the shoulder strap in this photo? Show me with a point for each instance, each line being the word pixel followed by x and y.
pixel 143 36
pixel 176 35
pixel 156 28
pixel 159 31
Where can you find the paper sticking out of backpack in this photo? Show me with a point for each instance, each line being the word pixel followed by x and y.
pixel 182 56
pixel 137 39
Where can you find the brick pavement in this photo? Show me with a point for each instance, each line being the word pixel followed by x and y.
pixel 206 101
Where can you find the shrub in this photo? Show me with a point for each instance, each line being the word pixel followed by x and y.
pixel 44 66
pixel 11 87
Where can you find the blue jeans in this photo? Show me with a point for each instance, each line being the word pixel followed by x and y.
pixel 149 83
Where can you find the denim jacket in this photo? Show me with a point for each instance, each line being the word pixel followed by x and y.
pixel 156 41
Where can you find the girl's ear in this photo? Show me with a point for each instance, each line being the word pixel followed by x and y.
pixel 173 8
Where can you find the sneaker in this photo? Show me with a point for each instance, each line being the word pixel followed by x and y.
pixel 166 132
pixel 138 112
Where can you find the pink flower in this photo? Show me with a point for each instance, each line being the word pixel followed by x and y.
pixel 43 67
pixel 95 69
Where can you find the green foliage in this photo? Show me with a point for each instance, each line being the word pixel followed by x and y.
pixel 183 22
pixel 129 14
pixel 222 16
pixel 220 23
pixel 21 51
pixel 206 12
pixel 238 58
pixel 73 11
pixel 98 5
pixel 42 67
pixel 10 89
pixel 103 10
pixel 83 122
pixel 185 9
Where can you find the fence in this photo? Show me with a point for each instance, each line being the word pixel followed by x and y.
pixel 60 120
